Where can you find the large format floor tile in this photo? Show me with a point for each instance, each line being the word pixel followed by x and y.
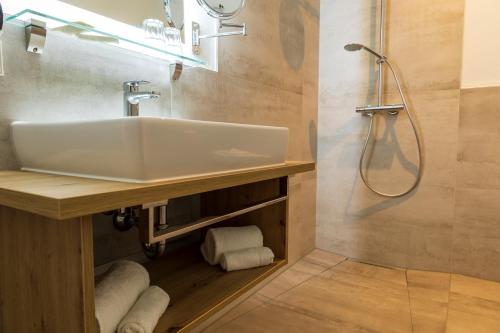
pixel 325 292
pixel 474 305
pixel 429 293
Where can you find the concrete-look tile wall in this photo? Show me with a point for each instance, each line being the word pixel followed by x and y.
pixel 424 42
pixel 73 79
pixel 476 233
pixel 269 78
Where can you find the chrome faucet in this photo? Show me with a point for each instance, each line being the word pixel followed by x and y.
pixel 132 96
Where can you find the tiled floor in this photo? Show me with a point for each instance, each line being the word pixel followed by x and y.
pixel 325 292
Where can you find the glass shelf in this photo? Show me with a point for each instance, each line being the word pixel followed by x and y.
pixel 89 26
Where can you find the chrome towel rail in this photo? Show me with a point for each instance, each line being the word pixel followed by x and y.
pixel 155 235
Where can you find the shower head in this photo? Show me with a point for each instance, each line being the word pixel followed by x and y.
pixel 356 47
pixel 353 47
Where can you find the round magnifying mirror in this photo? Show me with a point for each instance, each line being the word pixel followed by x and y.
pixel 222 9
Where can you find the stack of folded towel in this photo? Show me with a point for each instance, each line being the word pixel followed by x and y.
pixel 124 301
pixel 236 248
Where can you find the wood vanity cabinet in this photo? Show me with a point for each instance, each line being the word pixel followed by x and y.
pixel 46 245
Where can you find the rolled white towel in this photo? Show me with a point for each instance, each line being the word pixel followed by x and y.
pixel 221 240
pixel 117 292
pixel 144 315
pixel 247 258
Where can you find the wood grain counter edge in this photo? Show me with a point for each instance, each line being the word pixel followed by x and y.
pixel 63 197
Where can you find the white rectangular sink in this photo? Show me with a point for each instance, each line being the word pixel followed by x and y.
pixel 145 149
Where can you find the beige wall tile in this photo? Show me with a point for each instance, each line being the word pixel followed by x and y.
pixel 429 204
pixel 342 72
pixel 197 101
pixel 414 231
pixel 480 175
pixel 395 151
pixel 437 116
pixel 476 234
pixel 371 240
pixel 479 125
pixel 243 101
pixel 276 33
pixel 479 146
pixel 424 41
pixel 479 109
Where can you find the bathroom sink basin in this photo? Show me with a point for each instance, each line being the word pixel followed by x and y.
pixel 145 149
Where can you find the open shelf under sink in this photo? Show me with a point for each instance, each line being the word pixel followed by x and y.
pixel 197 290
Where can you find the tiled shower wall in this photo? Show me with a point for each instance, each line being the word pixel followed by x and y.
pixel 476 233
pixel 424 42
pixel 451 222
pixel 267 78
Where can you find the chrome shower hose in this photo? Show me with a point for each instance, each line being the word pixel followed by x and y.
pixel 417 137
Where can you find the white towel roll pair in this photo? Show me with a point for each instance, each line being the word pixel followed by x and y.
pixel 236 248
pixel 246 258
pixel 125 302
pixel 222 240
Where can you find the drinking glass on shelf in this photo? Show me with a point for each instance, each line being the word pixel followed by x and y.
pixel 172 36
pixel 153 29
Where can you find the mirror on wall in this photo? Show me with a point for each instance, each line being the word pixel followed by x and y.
pixel 133 12
pixel 150 27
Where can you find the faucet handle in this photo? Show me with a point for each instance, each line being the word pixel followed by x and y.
pixel 135 83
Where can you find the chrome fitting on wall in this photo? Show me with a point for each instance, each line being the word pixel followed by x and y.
pixel 36 33
pixel 392 109
pixel 197 36
pixel 176 71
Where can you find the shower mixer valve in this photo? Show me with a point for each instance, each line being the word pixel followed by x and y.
pixel 391 109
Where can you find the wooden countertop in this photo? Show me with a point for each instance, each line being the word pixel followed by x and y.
pixel 63 197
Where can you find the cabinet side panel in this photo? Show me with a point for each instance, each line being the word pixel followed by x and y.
pixel 46 282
